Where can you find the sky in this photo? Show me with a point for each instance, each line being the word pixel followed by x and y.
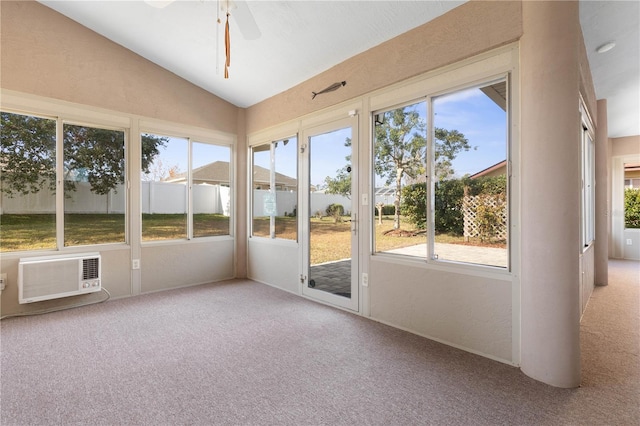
pixel 482 122
pixel 469 111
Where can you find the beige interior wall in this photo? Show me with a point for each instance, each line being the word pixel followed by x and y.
pixel 629 145
pixel 550 190
pixel 47 54
pixel 603 191
pixel 467 30
pixel 470 310
pixel 49 57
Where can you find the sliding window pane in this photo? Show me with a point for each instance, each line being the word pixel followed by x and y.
pixel 275 189
pixel 470 176
pixel 164 187
pixel 400 205
pixel 27 182
pixel 94 193
pixel 286 163
pixel 211 190
pixel 261 190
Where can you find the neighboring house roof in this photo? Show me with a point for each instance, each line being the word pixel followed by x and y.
pixel 495 170
pixel 632 170
pixel 218 172
pixel 262 176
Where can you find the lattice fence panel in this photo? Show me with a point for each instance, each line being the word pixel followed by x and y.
pixel 472 228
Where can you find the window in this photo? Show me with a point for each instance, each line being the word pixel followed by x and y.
pixel 588 180
pixel 27 179
pixel 211 190
pixel 92 172
pixel 94 192
pixel 184 196
pixel 275 189
pixel 442 190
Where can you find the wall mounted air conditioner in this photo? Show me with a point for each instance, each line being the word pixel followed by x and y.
pixel 52 277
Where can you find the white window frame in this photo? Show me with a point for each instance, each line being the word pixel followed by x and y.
pixel 588 181
pixel 484 68
pixel 192 135
pixel 272 185
pixel 63 114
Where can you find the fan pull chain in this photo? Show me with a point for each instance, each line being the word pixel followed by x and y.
pixel 227 46
pixel 218 22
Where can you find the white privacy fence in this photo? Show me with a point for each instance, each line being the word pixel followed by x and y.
pixel 166 198
pixel 287 201
pixel 157 197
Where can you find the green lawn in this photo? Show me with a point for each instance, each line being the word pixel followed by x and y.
pixel 38 231
pixel 329 240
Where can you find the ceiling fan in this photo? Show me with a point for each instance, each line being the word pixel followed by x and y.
pixel 240 12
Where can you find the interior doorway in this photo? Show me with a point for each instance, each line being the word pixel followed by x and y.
pixel 625 237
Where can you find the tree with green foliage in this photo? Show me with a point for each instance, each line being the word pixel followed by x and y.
pixel 400 146
pixel 341 183
pixel 28 159
pixel 399 149
pixel 447 145
pixel 632 208
pixel 27 153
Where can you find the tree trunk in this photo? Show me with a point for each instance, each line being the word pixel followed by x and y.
pixel 379 206
pixel 396 202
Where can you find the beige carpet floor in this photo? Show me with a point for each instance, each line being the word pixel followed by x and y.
pixel 243 353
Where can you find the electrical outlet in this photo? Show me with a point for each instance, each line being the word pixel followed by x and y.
pixel 365 279
pixel 135 264
pixel 629 242
pixel 3 281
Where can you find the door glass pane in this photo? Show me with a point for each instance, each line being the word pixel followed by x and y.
pixel 210 190
pixel 470 176
pixel 330 236
pixel 27 182
pixel 164 187
pixel 94 192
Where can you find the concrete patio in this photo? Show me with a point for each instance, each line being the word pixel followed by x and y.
pixel 334 277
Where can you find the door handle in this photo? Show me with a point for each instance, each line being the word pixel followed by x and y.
pixel 353 221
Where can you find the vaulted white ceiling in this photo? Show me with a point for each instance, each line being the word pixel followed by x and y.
pixel 300 39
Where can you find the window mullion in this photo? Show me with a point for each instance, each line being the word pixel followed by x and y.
pixel 272 186
pixel 59 183
pixel 189 190
pixel 430 182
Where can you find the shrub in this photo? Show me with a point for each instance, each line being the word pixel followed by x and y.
pixel 387 210
pixel 632 208
pixel 336 211
pixel 414 204
pixel 449 216
pixel 449 195
pixel 489 217
pixel 493 185
pixel 448 206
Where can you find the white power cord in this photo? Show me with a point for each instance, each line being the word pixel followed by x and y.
pixel 59 308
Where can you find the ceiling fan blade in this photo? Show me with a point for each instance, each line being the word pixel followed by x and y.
pixel 246 23
pixel 159 3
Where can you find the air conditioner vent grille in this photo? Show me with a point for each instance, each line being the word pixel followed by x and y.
pixel 90 268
